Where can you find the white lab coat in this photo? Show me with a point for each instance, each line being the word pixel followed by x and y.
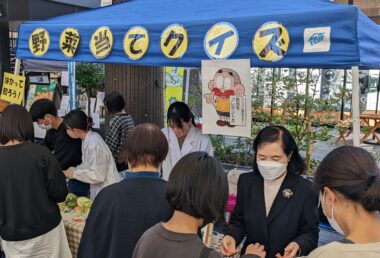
pixel 98 167
pixel 194 141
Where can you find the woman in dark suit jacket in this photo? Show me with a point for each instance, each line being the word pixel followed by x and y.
pixel 276 207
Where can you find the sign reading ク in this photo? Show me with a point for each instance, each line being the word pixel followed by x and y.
pixel 13 88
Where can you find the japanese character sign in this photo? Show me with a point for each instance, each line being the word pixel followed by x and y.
pixel 174 41
pixel 69 42
pixel 13 88
pixel 39 42
pixel 101 42
pixel 136 42
pixel 271 42
pixel 221 41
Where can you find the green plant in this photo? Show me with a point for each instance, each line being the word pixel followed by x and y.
pixel 89 77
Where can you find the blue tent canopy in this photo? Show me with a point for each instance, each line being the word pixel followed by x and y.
pixel 354 39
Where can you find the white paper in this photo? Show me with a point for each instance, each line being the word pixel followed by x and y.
pixel 38 132
pixel 61 112
pixel 64 78
pixel 96 120
pixel 226 102
pixel 65 103
pixel 99 101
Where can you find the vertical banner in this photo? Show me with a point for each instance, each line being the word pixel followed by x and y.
pixel 330 82
pixel 364 87
pixel 226 103
pixel 72 85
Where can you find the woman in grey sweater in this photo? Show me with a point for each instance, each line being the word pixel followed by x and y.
pixel 197 191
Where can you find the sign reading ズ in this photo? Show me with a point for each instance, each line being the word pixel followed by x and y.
pixel 13 88
pixel 271 42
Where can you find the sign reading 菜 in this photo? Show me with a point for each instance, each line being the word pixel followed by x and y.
pixel 271 42
pixel 221 41
pixel 13 88
pixel 69 42
pixel 39 42
pixel 101 42
pixel 174 41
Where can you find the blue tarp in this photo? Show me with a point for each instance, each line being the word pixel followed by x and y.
pixel 355 40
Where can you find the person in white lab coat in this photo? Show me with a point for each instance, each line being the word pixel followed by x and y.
pixel 98 167
pixel 183 137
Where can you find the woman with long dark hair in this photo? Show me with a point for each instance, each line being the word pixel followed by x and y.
pixel 276 207
pixel 98 167
pixel 183 137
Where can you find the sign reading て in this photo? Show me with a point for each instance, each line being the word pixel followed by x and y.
pixel 136 42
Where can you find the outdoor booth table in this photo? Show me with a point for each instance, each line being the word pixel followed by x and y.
pixel 73 230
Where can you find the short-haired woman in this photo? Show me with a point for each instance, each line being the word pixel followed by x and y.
pixel 197 191
pixel 348 182
pixel 276 207
pixel 121 123
pixel 122 212
pixel 98 167
pixel 183 136
pixel 31 185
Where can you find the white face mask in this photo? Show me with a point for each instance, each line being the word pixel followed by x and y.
pixel 333 223
pixel 45 127
pixel 271 170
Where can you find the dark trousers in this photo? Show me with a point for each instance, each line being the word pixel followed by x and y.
pixel 79 188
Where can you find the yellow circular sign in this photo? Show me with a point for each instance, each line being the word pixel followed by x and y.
pixel 221 41
pixel 101 42
pixel 39 42
pixel 271 41
pixel 174 41
pixel 69 42
pixel 136 42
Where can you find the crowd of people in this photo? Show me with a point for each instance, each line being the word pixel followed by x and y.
pixel 154 189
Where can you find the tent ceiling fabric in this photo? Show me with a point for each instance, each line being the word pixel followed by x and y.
pixel 354 39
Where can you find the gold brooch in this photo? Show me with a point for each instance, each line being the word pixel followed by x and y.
pixel 287 193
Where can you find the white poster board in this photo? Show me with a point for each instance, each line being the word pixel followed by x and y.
pixel 99 101
pixel 226 102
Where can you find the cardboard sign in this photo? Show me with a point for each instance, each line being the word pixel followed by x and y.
pixel 13 88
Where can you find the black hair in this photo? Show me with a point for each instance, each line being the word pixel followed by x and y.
pixel 77 119
pixel 178 112
pixel 16 124
pixel 114 102
pixel 275 133
pixel 42 107
pixel 352 172
pixel 198 187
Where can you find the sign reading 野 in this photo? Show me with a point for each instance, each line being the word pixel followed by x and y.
pixel 13 88
pixel 221 41
pixel 69 42
pixel 271 42
pixel 39 42
pixel 101 42
pixel 174 41
pixel 136 42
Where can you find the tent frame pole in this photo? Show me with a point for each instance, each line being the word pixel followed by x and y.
pixel 187 86
pixel 17 66
pixel 355 106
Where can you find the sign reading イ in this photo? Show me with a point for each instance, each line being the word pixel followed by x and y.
pixel 13 88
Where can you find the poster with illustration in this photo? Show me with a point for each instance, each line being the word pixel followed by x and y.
pixel 226 103
pixel 39 91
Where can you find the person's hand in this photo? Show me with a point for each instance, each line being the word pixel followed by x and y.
pixel 256 249
pixel 228 247
pixel 69 174
pixel 290 251
pixel 208 97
